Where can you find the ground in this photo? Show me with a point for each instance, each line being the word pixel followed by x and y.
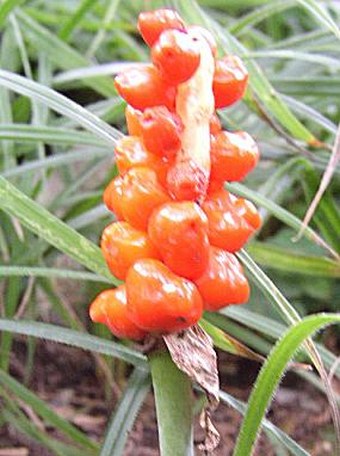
pixel 299 409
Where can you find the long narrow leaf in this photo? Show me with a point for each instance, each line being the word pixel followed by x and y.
pixel 271 374
pixel 75 338
pixel 53 230
pixel 125 414
pixel 60 104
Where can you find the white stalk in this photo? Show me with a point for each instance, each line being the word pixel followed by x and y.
pixel 195 105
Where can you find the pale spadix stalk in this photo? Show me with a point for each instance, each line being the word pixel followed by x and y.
pixel 195 105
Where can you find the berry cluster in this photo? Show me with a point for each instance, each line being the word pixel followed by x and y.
pixel 177 226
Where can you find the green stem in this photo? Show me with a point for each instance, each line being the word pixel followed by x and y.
pixel 174 406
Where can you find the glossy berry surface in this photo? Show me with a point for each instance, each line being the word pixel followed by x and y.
pixel 230 81
pixel 112 197
pixel 142 193
pixel 223 282
pixel 233 156
pixel 160 301
pixel 110 308
pixel 227 228
pixel 133 118
pixel 179 230
pixel 130 152
pixel 161 131
pixel 177 56
pixel 143 87
pixel 122 245
pixel 186 181
pixel 152 23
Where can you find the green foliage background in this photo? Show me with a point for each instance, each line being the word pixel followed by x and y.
pixel 59 119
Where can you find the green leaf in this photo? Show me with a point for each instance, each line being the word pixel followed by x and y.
pixel 321 15
pixel 49 135
pixel 228 343
pixel 174 406
pixel 53 230
pixel 283 259
pixel 270 376
pixel 45 412
pixel 75 339
pixel 23 271
pixel 259 15
pixel 125 414
pixel 72 22
pixel 6 8
pixel 258 81
pixel 293 447
pixel 60 104
pixel 60 53
pixel 281 214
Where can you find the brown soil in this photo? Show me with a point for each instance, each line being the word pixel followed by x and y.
pixel 67 379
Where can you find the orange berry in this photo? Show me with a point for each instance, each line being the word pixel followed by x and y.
pixel 187 181
pixel 152 23
pixel 142 193
pixel 247 210
pixel 179 230
pixel 177 56
pixel 122 245
pixel 158 300
pixel 143 87
pixel 233 155
pixel 112 197
pixel 230 81
pixel 110 308
pixel 227 229
pixel 161 131
pixel 223 282
pixel 133 117
pixel 130 152
pixel 215 125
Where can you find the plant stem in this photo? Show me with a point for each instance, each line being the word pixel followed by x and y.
pixel 174 406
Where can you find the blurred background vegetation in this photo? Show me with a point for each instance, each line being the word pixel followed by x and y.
pixel 61 158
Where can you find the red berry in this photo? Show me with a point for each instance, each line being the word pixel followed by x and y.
pixel 180 233
pixel 223 282
pixel 159 301
pixel 230 81
pixel 113 197
pixel 133 118
pixel 227 229
pixel 187 181
pixel 177 56
pixel 161 131
pixel 143 87
pixel 152 23
pixel 130 152
pixel 122 245
pixel 110 308
pixel 142 193
pixel 233 156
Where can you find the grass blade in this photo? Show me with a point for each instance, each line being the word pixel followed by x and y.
pixel 270 376
pixel 60 104
pixel 74 338
pixel 51 229
pixel 294 448
pixel 27 271
pixel 258 81
pixel 125 414
pixel 40 407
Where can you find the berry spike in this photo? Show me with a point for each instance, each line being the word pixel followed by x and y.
pixel 195 107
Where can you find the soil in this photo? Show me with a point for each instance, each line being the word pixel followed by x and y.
pixel 70 382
